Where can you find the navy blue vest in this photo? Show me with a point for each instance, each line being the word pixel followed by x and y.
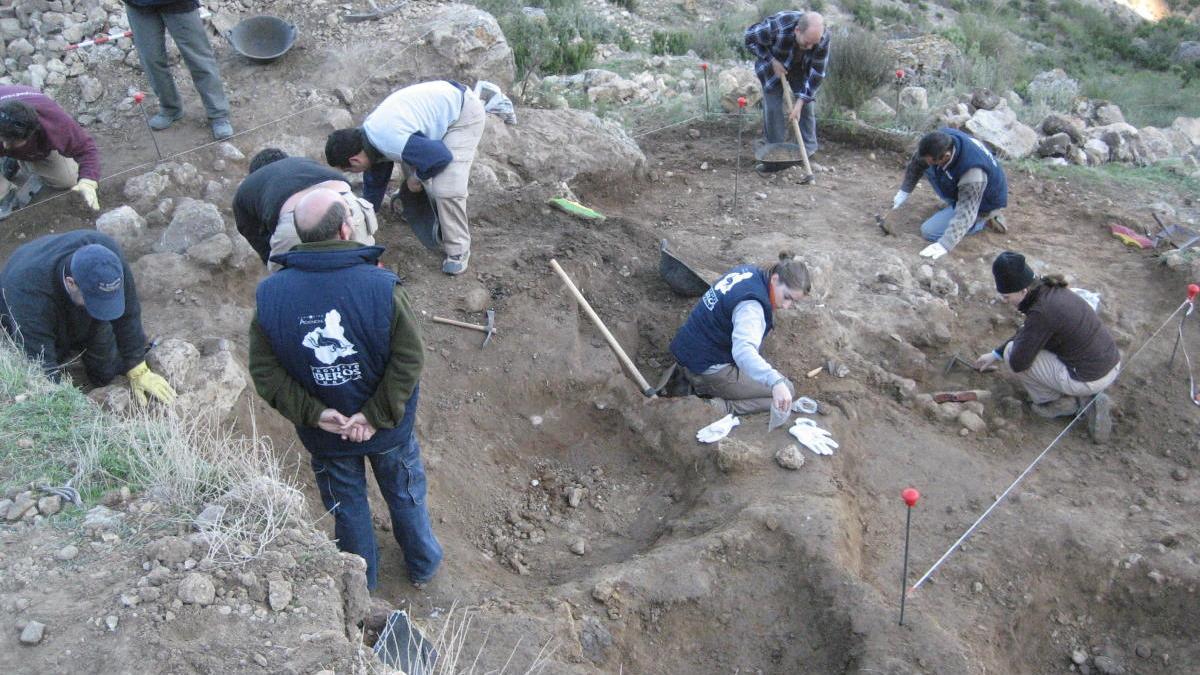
pixel 969 154
pixel 328 317
pixel 706 339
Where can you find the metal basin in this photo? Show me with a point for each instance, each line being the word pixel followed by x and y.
pixel 263 38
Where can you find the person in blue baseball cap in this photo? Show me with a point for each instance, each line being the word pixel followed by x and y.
pixel 63 293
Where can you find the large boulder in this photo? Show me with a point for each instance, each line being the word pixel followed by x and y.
pixel 1096 150
pixel 913 100
pixel 1053 86
pixel 930 52
pixel 553 145
pixel 1188 52
pixel 193 222
pixel 1107 113
pixel 1188 126
pixel 734 83
pixel 1057 123
pixel 1003 132
pixel 984 99
pixel 205 382
pixel 144 189
pixel 1057 145
pixel 877 109
pixel 1123 141
pixel 125 226
pixel 160 275
pixel 1155 144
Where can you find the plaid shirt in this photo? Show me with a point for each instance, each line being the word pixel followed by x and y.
pixel 775 38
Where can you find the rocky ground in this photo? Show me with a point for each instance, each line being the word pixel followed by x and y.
pixel 582 520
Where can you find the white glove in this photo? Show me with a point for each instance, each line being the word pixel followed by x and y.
pixel 718 430
pixel 986 361
pixel 933 251
pixel 813 437
pixel 900 198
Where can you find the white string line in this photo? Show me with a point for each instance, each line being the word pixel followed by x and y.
pixel 1082 411
pixel 245 132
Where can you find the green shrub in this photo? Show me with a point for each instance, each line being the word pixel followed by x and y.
pixel 630 5
pixel 863 12
pixel 859 63
pixel 625 40
pixel 674 43
pixel 766 8
pixel 562 43
pixel 816 5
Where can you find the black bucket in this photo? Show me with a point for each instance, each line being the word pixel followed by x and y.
pixel 417 209
pixel 262 39
pixel 682 279
pixel 779 155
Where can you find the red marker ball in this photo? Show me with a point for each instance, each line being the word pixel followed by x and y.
pixel 1193 289
pixel 910 496
pixel 139 97
pixel 741 101
pixel 899 73
pixel 703 66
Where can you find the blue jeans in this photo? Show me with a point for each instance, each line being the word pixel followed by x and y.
pixel 936 226
pixel 342 482
pixel 776 128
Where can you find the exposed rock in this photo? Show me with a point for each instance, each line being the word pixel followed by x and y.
pixel 33 633
pixel 1123 141
pixel 23 505
pixel 90 89
pixel 196 589
pixel 279 593
pixel 1188 126
pixel 144 189
pixel 1057 145
pixel 877 109
pixel 1155 145
pixel 790 457
pixel 984 99
pixel 1187 53
pixel 338 118
pixel 972 422
pixel 734 455
pixel 229 152
pixel 1096 150
pixel 212 252
pixel 733 83
pixel 210 517
pixel 68 552
pixel 476 299
pixel 1057 123
pixel 456 38
pixel 193 222
pixel 1053 86
pixel 100 518
pixel 49 505
pixel 1001 130
pixel 955 116
pixel 209 383
pixel 1107 666
pixel 579 547
pixel 125 226
pixel 170 550
pixel 159 275
pixel 913 100
pixel 356 598
pixel 1108 113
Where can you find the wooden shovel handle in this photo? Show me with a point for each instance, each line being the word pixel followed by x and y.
pixel 461 324
pixel 608 337
pixel 791 102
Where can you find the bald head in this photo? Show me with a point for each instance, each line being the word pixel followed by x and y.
pixel 809 30
pixel 320 215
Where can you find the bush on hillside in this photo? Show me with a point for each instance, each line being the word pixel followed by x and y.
pixel 673 43
pixel 859 63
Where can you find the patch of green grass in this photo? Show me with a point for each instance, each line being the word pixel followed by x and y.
pixel 1113 175
pixel 673 43
pixel 562 43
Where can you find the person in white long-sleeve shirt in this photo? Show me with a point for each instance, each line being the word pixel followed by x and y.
pixel 718 347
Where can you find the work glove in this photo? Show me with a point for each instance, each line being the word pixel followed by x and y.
pixel 813 437
pixel 717 430
pixel 933 251
pixel 145 381
pixel 87 187
pixel 987 361
pixel 900 198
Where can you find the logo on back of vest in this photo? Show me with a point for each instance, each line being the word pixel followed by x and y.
pixel 726 283
pixel 328 343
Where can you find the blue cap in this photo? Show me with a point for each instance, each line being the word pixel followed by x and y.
pixel 101 278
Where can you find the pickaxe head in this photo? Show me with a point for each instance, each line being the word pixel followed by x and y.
pixel 491 326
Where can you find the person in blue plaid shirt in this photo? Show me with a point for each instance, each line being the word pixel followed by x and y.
pixel 792 46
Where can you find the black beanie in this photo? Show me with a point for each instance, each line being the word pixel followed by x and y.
pixel 1011 273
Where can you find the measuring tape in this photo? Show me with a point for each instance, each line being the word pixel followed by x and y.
pixel 100 39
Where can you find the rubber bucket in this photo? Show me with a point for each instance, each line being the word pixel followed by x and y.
pixel 262 39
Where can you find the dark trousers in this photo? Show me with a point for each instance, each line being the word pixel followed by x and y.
pixel 97 342
pixel 342 482
pixel 375 182
pixel 150 28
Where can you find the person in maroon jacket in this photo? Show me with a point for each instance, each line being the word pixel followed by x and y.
pixel 37 135
pixel 1062 354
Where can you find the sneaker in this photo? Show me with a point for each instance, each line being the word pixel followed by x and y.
pixel 6 202
pixel 221 129
pixel 1064 406
pixel 10 168
pixel 1099 419
pixel 455 265
pixel 162 120
pixel 996 224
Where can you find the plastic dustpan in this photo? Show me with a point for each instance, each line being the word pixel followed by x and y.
pixel 679 276
pixel 418 211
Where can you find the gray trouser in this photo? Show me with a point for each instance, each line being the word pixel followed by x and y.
pixel 777 129
pixel 187 30
pixel 742 395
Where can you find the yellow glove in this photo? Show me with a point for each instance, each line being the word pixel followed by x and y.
pixel 144 381
pixel 87 188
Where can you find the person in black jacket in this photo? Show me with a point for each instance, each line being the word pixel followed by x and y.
pixel 1062 354
pixel 265 203
pixel 62 293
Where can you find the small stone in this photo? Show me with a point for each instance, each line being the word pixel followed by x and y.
pixel 574 496
pixel 1179 474
pixel 972 422
pixel 977 587
pixel 111 621
pixel 579 547
pixel 67 552
pixel 260 660
pixel 693 134
pixel 789 458
pixel 197 589
pixel 279 593
pixel 476 299
pixel 25 443
pixel 49 505
pixel 1107 666
pixel 209 517
pixel 130 600
pixel 1079 657
pixel 33 632
pixel 1143 651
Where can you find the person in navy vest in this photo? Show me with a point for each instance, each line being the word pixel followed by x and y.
pixel 433 130
pixel 335 348
pixel 967 177
pixel 718 346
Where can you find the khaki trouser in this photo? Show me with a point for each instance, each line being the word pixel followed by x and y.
pixel 362 219
pixel 1047 379
pixel 448 189
pixel 742 395
pixel 55 171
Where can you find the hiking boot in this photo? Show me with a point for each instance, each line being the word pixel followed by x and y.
pixel 763 169
pixel 221 129
pixel 455 265
pixel 1099 419
pixel 1064 406
pixel 996 224
pixel 6 202
pixel 162 120
pixel 10 168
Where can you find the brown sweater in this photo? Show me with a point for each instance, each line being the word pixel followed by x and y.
pixel 1062 323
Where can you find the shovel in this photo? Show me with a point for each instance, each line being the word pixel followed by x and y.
pixel 778 156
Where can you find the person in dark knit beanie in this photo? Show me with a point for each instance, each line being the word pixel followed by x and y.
pixel 1063 355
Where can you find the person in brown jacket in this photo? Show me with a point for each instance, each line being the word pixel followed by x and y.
pixel 1062 354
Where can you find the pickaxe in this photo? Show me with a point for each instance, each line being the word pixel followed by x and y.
pixel 489 329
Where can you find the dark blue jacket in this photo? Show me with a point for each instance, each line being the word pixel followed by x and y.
pixel 969 154
pixel 36 310
pixel 706 339
pixel 327 316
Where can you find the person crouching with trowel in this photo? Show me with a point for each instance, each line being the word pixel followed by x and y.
pixel 1062 354
pixel 41 138
pixel 718 346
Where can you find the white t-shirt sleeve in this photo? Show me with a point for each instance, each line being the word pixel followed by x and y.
pixel 749 326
